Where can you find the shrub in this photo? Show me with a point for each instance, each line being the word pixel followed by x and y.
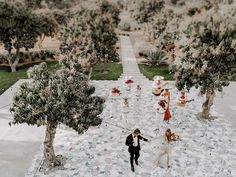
pixel 182 3
pixel 60 4
pixel 27 56
pixel 156 58
pixel 62 17
pixel 193 11
pixel 33 4
pixel 143 53
pixel 174 1
pixel 145 10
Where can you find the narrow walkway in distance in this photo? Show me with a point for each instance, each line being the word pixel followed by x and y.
pixel 129 62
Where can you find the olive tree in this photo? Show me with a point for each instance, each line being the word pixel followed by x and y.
pixel 91 36
pixel 209 60
pixel 64 97
pixel 20 29
pixel 111 10
pixel 145 10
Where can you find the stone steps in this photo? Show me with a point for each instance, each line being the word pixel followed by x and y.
pixel 129 62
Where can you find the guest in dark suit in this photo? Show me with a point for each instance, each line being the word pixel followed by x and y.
pixel 133 141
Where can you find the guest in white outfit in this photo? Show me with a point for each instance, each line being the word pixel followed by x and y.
pixel 181 103
pixel 128 83
pixel 115 93
pixel 138 91
pixel 136 101
pixel 125 112
pixel 157 85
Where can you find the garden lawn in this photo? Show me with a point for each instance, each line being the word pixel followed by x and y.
pixel 151 71
pixel 7 79
pixel 106 71
pixel 101 71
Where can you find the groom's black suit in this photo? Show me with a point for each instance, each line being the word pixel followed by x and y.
pixel 134 150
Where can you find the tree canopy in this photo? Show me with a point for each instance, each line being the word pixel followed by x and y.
pixel 52 4
pixel 20 28
pixel 97 43
pixel 144 10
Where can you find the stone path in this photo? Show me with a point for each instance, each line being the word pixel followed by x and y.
pixel 207 149
pixel 129 62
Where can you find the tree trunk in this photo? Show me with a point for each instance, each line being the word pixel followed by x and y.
pixel 41 39
pixel 49 155
pixel 206 106
pixel 12 65
pixel 13 68
pixel 90 73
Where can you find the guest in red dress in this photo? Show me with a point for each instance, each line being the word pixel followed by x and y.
pixel 167 114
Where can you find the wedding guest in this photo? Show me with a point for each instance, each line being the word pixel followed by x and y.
pixel 125 112
pixel 160 109
pixel 181 103
pixel 157 86
pixel 138 91
pixel 167 114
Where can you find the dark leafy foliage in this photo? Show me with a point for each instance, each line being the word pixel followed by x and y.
pixel 146 9
pixel 33 4
pixel 20 28
pixel 29 56
pixel 215 64
pixel 60 4
pixel 60 98
pixel 97 43
pixel 109 8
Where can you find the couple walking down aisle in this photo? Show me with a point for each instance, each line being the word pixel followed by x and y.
pixel 133 143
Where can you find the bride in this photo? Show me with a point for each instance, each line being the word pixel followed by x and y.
pixel 165 146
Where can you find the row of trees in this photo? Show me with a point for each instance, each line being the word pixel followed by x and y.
pixel 202 47
pixel 145 10
pixel 52 4
pixel 20 29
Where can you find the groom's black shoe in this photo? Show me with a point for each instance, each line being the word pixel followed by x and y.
pixel 136 162
pixel 132 168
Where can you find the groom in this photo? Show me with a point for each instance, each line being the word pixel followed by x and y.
pixel 134 146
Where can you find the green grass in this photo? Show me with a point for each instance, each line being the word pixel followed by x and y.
pixel 151 71
pixel 101 71
pixel 7 78
pixel 106 71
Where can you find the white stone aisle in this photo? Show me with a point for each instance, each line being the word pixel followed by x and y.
pixel 207 149
pixel 129 62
